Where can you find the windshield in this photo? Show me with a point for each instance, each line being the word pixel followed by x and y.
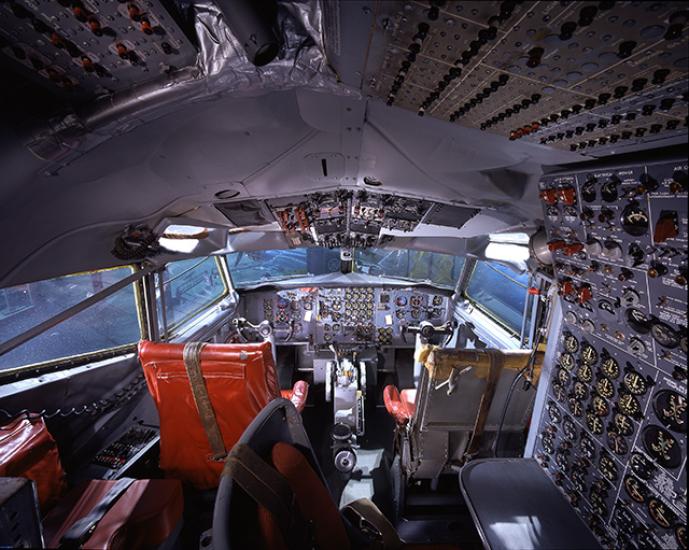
pixel 251 268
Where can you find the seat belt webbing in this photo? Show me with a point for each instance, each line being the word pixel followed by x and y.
pixel 82 529
pixel 192 363
pixel 267 487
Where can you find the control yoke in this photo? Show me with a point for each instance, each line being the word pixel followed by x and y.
pixel 428 330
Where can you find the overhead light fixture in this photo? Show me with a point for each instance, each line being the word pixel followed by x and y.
pixel 182 238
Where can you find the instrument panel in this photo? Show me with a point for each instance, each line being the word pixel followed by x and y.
pixel 613 435
pixel 345 315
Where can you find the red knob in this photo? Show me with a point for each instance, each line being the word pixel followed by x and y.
pixel 567 288
pixel 549 196
pixel 567 195
pixel 556 245
pixel 572 248
pixel 585 294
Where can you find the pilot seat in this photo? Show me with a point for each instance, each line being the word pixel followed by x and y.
pixel 206 395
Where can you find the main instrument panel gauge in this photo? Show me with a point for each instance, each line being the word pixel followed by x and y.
pixel 588 326
pixel 665 335
pixel 671 409
pixel 637 320
pixel 401 301
pixel 628 404
pixel 635 383
pixel 608 467
pixel 660 513
pixel 415 313
pixel 641 466
pixel 662 446
pixel 594 423
pixel 587 447
pixel 600 406
pixel 581 391
pixel 610 367
pixel 605 387
pixel 570 342
pixel 681 536
pixel 623 424
pixel 282 303
pixel 561 459
pixel 437 300
pixel 575 407
pixel 569 429
pixel 578 480
pixel 585 373
pixel 617 444
pixel 634 219
pixel 567 361
pixel 547 443
pixel 415 301
pixel 635 489
pixel 589 355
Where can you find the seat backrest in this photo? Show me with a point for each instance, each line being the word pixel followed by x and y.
pixel 28 450
pixel 240 380
pixel 463 392
pixel 277 435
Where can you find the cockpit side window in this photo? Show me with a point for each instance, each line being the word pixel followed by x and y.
pixel 189 288
pixel 110 324
pixel 499 292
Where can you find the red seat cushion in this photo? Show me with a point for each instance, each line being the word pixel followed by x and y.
pixel 401 406
pixel 28 450
pixel 316 505
pixel 143 517
pixel 240 379
pixel 298 394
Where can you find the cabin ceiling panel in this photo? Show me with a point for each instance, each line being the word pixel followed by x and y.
pixel 587 77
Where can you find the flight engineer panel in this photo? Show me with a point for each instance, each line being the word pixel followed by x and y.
pixel 614 432
pixel 351 315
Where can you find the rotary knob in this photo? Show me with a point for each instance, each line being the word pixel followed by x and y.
pixel 611 250
pixel 594 247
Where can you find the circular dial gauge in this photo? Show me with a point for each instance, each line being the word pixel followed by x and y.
pixel 571 343
pixel 578 480
pixel 437 300
pixel 617 443
pixel 548 444
pixel 637 320
pixel 563 376
pixel 608 467
pixel 635 383
pixel 600 406
pixel 630 297
pixel 594 423
pixel 641 466
pixel 662 446
pixel 554 412
pixel 589 355
pixel 660 513
pixel 681 536
pixel 636 346
pixel 401 301
pixel 558 391
pixel 587 447
pixel 634 219
pixel 576 407
pixel 635 489
pixel 581 391
pixel 569 429
pixel 629 404
pixel 605 387
pixel 282 303
pixel 585 373
pixel 671 409
pixel 665 335
pixel 567 361
pixel 610 367
pixel 561 459
pixel 623 424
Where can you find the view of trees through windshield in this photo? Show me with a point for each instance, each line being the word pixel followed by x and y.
pixel 250 268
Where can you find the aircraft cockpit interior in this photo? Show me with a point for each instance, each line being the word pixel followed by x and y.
pixel 349 274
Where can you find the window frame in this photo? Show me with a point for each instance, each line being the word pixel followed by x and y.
pixel 80 359
pixel 466 280
pixel 169 331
